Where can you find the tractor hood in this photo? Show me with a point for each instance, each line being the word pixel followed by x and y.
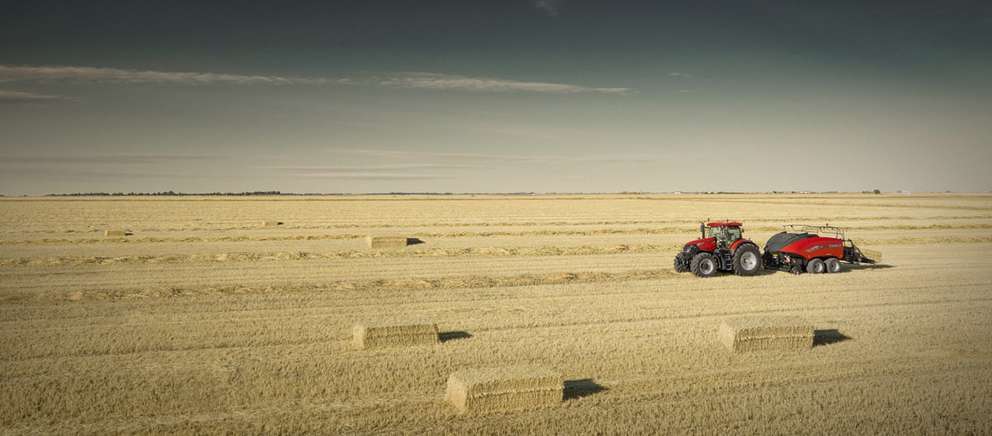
pixel 704 244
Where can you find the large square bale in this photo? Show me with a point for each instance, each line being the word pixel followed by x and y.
pixel 766 334
pixel 116 233
pixel 385 242
pixel 510 388
pixel 365 336
pixel 271 223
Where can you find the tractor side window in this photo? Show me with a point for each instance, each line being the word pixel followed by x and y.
pixel 733 233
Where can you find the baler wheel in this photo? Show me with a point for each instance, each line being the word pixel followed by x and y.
pixel 815 266
pixel 832 265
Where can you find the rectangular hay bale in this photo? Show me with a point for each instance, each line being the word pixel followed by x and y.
pixel 386 241
pixel 365 336
pixel 271 223
pixel 116 233
pixel 766 334
pixel 511 388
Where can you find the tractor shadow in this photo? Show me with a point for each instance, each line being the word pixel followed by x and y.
pixel 580 388
pixel 414 241
pixel 453 336
pixel 828 336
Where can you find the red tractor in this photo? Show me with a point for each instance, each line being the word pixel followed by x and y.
pixel 802 248
pixel 721 247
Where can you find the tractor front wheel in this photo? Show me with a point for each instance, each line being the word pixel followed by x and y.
pixel 703 265
pixel 815 266
pixel 747 260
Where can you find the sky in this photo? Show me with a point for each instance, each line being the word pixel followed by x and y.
pixel 495 96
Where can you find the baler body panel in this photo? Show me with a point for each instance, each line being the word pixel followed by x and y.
pixel 815 247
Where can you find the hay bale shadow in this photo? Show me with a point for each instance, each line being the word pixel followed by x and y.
pixel 453 336
pixel 414 241
pixel 828 336
pixel 582 388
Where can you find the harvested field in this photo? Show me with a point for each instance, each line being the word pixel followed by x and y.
pixel 502 389
pixel 208 322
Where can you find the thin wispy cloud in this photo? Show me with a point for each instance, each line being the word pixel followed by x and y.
pixel 107 159
pixel 482 84
pixel 432 156
pixel 550 7
pixel 372 172
pixel 372 168
pixel 373 176
pixel 115 75
pixel 82 173
pixel 415 80
pixel 488 158
pixel 27 97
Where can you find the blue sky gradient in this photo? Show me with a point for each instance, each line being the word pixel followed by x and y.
pixel 562 96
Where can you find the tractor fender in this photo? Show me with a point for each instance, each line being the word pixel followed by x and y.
pixel 738 243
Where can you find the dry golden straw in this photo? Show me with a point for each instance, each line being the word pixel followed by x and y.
pixel 766 334
pixel 365 336
pixel 504 389
pixel 872 254
pixel 380 242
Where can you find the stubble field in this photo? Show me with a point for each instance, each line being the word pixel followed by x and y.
pixel 206 321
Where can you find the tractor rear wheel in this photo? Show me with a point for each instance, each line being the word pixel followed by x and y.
pixel 815 266
pixel 747 260
pixel 832 265
pixel 703 265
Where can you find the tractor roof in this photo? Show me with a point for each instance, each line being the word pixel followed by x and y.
pixel 723 224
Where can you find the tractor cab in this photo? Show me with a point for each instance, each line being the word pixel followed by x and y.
pixel 724 233
pixel 721 247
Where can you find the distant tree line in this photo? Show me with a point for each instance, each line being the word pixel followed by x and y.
pixel 272 193
pixel 163 193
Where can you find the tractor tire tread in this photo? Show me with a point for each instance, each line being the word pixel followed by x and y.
pixel 694 265
pixel 739 254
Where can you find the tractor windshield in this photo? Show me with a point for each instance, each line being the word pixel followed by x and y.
pixel 724 234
